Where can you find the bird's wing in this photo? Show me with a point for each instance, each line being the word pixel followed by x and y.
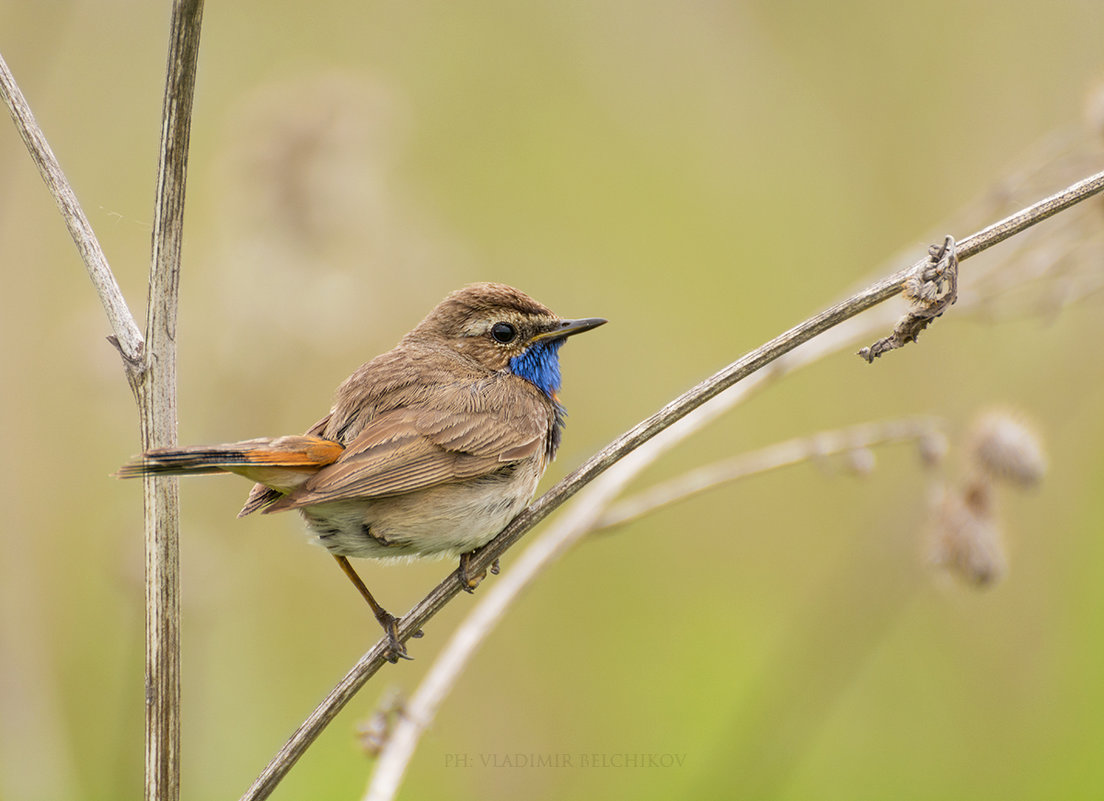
pixel 462 435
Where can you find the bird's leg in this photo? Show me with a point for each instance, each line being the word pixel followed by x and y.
pixel 387 620
pixel 468 580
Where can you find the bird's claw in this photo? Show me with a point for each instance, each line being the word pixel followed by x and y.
pixel 469 580
pixel 395 649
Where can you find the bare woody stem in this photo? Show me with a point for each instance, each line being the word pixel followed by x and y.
pixel 872 295
pixel 155 389
pixel 127 336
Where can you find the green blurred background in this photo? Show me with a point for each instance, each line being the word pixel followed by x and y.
pixel 704 174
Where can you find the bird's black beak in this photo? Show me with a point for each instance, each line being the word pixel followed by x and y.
pixel 565 328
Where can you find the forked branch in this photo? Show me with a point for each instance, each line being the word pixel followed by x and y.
pixel 150 368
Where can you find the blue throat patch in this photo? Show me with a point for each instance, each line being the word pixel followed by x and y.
pixel 540 366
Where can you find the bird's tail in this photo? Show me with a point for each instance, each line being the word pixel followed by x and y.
pixel 296 453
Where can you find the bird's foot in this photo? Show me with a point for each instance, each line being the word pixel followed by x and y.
pixel 469 580
pixel 396 649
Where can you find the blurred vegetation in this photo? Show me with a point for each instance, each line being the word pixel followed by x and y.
pixel 704 174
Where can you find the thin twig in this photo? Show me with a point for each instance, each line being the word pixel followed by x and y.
pixel 157 407
pixel 772 457
pixel 620 450
pixel 127 336
pixel 1035 213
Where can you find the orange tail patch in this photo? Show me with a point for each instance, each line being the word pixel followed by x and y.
pixel 295 452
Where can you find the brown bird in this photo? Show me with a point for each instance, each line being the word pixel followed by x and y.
pixel 430 449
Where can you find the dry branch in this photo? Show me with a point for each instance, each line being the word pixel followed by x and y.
pixel 782 454
pixel 127 336
pixel 155 390
pixel 594 509
pixel 622 450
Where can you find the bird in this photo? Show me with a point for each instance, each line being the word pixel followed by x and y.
pixel 428 450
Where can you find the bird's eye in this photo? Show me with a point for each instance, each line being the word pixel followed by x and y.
pixel 503 332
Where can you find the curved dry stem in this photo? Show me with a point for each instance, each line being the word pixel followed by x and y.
pixel 624 452
pixel 127 336
pixel 589 513
pixel 781 454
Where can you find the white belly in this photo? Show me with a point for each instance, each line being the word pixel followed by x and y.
pixel 442 521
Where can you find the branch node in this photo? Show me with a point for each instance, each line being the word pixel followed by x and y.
pixel 137 362
pixel 930 291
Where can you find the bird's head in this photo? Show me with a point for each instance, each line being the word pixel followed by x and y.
pixel 502 328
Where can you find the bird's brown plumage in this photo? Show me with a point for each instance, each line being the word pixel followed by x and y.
pixel 441 408
pixel 451 435
pixel 429 449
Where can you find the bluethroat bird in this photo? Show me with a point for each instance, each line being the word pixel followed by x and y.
pixel 429 449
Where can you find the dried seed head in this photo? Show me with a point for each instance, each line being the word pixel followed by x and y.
pixel 1006 448
pixel 861 461
pixel 914 286
pixel 374 733
pixel 933 447
pixel 966 539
